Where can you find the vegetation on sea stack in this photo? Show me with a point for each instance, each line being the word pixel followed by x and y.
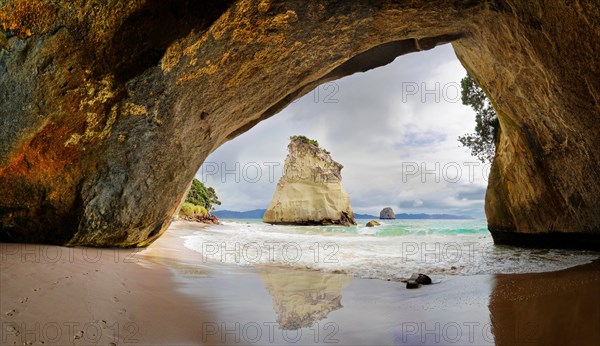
pixel 307 140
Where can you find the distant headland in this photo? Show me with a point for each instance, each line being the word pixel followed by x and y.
pixel 258 214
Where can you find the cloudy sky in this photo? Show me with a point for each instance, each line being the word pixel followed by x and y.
pixel 394 129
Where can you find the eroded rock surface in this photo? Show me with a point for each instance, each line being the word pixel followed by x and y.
pixel 387 213
pixel 538 62
pixel 108 108
pixel 310 192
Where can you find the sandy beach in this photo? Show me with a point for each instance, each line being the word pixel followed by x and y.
pixel 169 295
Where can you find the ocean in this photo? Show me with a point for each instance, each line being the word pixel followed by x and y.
pixel 392 251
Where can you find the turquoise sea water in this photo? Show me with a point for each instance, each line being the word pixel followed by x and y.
pixel 391 251
pixel 388 228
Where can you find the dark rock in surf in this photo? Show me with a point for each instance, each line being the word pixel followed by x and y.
pixel 373 223
pixel 416 280
pixel 423 279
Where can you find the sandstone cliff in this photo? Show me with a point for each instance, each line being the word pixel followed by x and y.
pixel 106 106
pixel 310 191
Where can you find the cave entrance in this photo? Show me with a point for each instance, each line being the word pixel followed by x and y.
pixel 394 129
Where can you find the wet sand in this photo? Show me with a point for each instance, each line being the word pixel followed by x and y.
pixel 168 295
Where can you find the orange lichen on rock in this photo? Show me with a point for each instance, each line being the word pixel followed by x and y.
pixel 42 156
pixel 26 17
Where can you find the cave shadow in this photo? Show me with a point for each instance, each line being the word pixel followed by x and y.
pixel 143 38
pixel 554 308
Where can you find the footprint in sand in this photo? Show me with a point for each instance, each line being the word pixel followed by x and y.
pixel 103 323
pixel 115 299
pixel 24 300
pixel 78 335
pixel 37 289
pixel 11 312
pixel 14 331
pixel 122 311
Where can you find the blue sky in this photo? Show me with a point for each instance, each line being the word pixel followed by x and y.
pixel 393 128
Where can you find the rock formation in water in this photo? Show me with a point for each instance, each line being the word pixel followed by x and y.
pixel 373 223
pixel 108 108
pixel 387 213
pixel 310 192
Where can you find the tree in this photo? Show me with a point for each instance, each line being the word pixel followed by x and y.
pixel 213 198
pixel 483 141
pixel 201 196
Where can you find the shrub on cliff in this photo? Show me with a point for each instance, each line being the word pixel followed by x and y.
pixel 202 196
pixel 189 209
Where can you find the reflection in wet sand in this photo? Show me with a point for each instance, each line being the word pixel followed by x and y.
pixel 558 308
pixel 300 297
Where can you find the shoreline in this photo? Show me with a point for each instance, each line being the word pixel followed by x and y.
pixel 167 294
pixel 386 253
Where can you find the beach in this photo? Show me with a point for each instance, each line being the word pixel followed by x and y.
pixel 167 294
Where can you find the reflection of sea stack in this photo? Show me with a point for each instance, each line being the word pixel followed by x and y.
pixel 310 191
pixel 387 213
pixel 301 297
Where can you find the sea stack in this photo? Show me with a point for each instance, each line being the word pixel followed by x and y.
pixel 310 192
pixel 387 213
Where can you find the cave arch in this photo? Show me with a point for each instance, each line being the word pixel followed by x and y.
pixel 89 148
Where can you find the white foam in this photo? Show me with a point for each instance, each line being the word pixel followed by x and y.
pixel 361 252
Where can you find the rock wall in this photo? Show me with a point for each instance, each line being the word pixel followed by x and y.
pixel 539 63
pixel 108 108
pixel 310 192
